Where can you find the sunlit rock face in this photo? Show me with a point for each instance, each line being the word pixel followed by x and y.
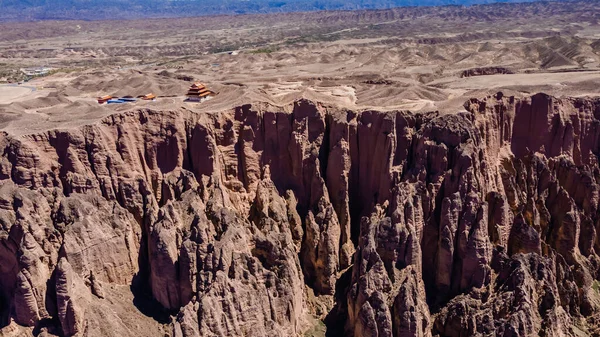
pixel 250 222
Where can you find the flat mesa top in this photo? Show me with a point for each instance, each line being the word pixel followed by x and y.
pixel 417 59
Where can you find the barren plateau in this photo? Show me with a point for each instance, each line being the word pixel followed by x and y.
pixel 399 172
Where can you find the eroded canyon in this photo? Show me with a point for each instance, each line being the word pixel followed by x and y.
pixel 265 220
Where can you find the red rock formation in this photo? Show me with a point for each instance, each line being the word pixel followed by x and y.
pixel 481 222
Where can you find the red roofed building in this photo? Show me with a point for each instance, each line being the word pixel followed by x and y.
pixel 198 92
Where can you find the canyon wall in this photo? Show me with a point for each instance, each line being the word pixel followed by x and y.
pixel 256 221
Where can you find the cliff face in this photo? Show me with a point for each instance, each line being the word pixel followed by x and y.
pixel 249 222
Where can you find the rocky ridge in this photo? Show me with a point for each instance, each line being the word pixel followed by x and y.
pixel 252 221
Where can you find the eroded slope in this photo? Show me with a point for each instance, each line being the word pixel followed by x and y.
pixel 251 221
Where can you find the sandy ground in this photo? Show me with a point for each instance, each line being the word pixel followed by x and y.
pixel 560 79
pixel 382 60
pixel 10 94
pixel 73 102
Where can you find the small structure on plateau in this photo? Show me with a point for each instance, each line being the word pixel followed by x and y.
pixel 128 99
pixel 109 99
pixel 37 71
pixel 104 99
pixel 198 92
pixel 148 97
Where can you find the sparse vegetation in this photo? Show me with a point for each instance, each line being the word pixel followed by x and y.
pixel 11 74
pixel 119 9
pixel 61 70
pixel 314 38
pixel 222 49
pixel 267 50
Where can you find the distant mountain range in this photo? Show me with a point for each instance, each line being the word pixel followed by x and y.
pixel 27 10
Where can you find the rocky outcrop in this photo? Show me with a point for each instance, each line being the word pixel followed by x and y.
pixel 72 298
pixel 387 294
pixel 485 71
pixel 246 222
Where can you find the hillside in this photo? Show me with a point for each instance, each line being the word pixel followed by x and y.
pixel 401 172
pixel 28 10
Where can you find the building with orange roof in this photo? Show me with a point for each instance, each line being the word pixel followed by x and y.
pixel 198 92
pixel 104 99
pixel 149 97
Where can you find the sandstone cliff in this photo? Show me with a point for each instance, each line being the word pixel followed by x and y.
pixel 252 221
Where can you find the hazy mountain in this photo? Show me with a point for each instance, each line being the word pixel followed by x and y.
pixel 20 10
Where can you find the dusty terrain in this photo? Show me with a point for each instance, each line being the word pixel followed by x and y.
pixel 402 172
pixel 412 58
